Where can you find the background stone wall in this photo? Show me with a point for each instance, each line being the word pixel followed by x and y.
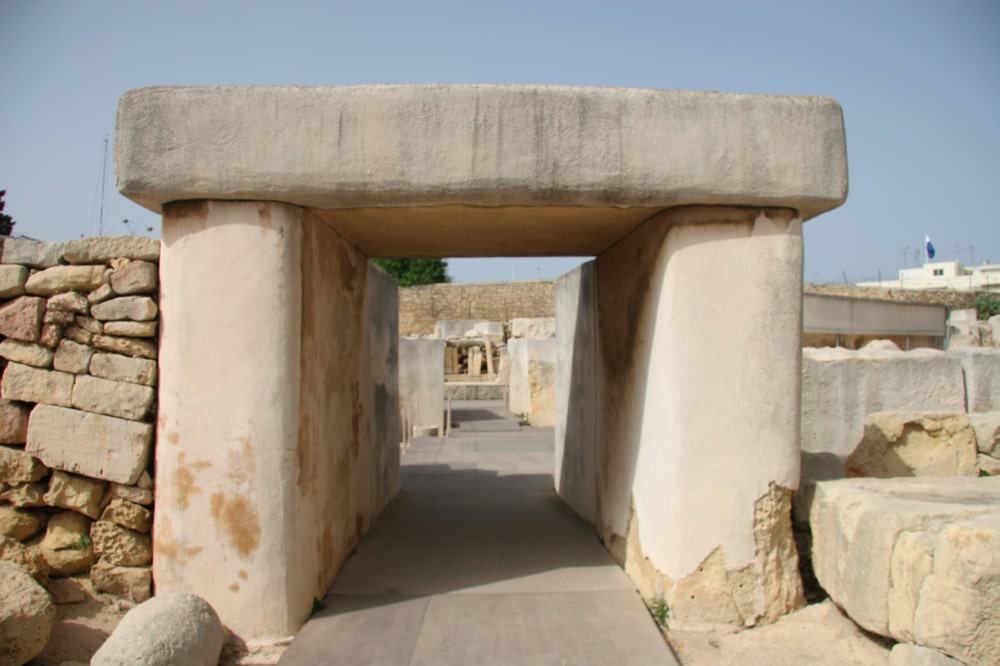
pixel 946 297
pixel 423 306
pixel 78 322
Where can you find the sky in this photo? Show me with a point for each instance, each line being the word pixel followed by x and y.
pixel 919 83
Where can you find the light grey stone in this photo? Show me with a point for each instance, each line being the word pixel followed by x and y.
pixel 421 382
pixel 132 329
pixel 994 323
pixel 989 465
pixel 72 357
pixel 987 428
pixel 27 615
pixel 27 384
pixel 135 277
pixel 905 654
pixel 71 301
pixel 12 279
pixel 101 294
pixel 37 254
pixel 105 396
pixel 538 328
pixel 102 249
pixel 985 334
pixel 26 353
pixel 102 447
pixel 65 278
pixel 128 346
pixel 135 308
pixel 982 378
pixel 187 632
pixel 124 368
pixel 78 493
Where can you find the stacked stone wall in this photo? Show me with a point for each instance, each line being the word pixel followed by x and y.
pixel 78 322
pixel 947 297
pixel 421 307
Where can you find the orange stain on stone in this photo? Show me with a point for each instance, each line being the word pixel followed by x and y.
pixel 238 520
pixel 235 587
pixel 242 574
pixel 184 487
pixel 173 437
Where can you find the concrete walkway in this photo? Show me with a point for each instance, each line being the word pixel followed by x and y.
pixel 478 562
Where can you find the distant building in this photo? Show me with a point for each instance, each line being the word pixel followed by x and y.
pixel 945 275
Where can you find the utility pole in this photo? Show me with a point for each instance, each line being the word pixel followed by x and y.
pixel 104 177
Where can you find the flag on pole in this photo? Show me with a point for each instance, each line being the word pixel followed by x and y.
pixel 930 247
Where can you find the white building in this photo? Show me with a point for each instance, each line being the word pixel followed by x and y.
pixel 945 275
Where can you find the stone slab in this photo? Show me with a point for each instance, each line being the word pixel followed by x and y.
pixel 101 249
pixel 105 396
pixel 36 254
pixel 124 368
pixel 65 278
pixel 12 280
pixel 27 384
pixel 99 446
pixel 915 444
pixel 982 378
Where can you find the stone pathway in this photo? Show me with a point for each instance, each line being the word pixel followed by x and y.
pixel 478 562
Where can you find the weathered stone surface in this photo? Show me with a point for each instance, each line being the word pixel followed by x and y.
pixel 27 615
pixel 12 279
pixel 132 329
pixel 127 346
pixel 65 278
pixel 17 466
pixel 994 322
pixel 70 301
pixel 905 654
pixel 88 324
pixel 72 357
pixel 50 336
pixel 914 559
pixel 28 558
pixel 98 446
pixel 21 319
pixel 59 317
pixel 75 492
pixel 134 308
pixel 145 481
pixel 132 583
pixel 102 249
pixel 67 547
pixel 37 254
pixel 120 546
pixel 69 590
pixel 187 632
pixel 982 379
pixel 105 396
pixel 27 384
pixel 135 277
pixel 131 494
pixel 129 515
pixel 25 495
pixel 13 423
pixel 538 328
pixel 26 353
pixel 78 335
pixel 985 334
pixel 987 428
pixel 914 444
pixel 20 524
pixel 101 294
pixel 989 465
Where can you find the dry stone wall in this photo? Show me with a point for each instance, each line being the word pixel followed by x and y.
pixel 77 407
pixel 421 307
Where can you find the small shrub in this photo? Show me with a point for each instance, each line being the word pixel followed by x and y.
pixel 987 306
pixel 83 543
pixel 660 611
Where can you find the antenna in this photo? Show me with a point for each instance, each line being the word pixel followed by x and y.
pixel 905 249
pixel 104 177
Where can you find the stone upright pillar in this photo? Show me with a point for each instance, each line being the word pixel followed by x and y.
pixel 699 313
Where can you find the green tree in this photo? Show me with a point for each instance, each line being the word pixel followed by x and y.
pixel 987 305
pixel 409 272
pixel 6 222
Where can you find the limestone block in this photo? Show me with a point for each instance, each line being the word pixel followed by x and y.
pixel 537 328
pixel 20 524
pixel 533 380
pixel 129 515
pixel 982 378
pixel 13 423
pixel 69 590
pixel 67 546
pixel 50 336
pixel 132 329
pixel 75 492
pixel 124 369
pixel 905 654
pixel 58 317
pixel 135 277
pixel 101 294
pixel 187 632
pixel 131 494
pixel 27 384
pixel 21 319
pixel 473 328
pixel 70 301
pixel 12 279
pixel 126 346
pixel 27 558
pixel 914 559
pixel 88 324
pixel 985 334
pixel 26 353
pixel 959 341
pixel 78 335
pixel 987 428
pixel 988 465
pixel 72 357
pixel 994 323
pixel 98 446
pixel 135 308
pixel 120 546
pixel 105 396
pixel 915 444
pixel 132 583
pixel 65 278
pixel 102 249
pixel 145 481
pixel 37 254
pixel 17 466
pixel 24 495
pixel 27 615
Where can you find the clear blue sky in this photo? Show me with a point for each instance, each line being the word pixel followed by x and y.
pixel 919 83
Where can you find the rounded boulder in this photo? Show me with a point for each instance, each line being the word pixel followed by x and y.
pixel 26 615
